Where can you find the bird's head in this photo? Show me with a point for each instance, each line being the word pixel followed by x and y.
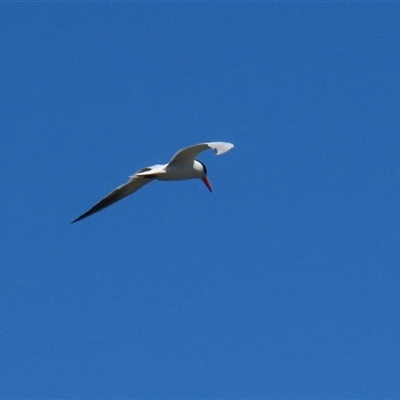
pixel 204 177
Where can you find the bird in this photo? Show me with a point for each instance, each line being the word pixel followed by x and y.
pixel 182 166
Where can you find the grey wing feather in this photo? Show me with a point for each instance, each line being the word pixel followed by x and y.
pixel 190 153
pixel 134 184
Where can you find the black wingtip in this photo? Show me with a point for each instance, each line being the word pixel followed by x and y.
pixel 92 211
pixel 77 219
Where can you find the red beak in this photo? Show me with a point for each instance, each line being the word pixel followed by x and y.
pixel 207 183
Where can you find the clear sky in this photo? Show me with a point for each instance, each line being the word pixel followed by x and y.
pixel 282 283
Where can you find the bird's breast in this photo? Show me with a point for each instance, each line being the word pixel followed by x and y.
pixel 179 172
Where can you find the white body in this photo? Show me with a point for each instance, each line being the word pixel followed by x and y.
pixel 167 172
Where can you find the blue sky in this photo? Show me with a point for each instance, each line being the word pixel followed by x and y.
pixel 283 283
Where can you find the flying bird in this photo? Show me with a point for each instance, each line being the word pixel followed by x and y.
pixel 183 165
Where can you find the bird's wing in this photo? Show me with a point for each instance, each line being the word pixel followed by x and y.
pixel 190 153
pixel 134 184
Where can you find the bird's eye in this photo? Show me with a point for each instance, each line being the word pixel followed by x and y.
pixel 204 168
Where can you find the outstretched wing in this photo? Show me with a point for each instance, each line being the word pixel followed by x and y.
pixel 190 153
pixel 134 184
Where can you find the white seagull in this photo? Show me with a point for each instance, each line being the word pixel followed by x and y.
pixel 182 166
